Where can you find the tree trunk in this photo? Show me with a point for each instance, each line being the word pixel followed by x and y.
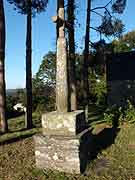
pixel 86 55
pixel 28 69
pixel 4 124
pixel 71 56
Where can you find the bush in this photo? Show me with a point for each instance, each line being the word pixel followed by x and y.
pixel 111 115
pixel 98 89
pixel 100 92
pixel 128 115
pixel 115 115
pixel 43 103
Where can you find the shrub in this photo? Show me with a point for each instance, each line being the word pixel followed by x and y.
pixel 115 115
pixel 111 115
pixel 128 115
pixel 98 90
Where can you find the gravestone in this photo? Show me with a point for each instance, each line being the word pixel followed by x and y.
pixel 121 78
pixel 58 147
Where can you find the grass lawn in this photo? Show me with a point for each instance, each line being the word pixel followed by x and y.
pixel 115 154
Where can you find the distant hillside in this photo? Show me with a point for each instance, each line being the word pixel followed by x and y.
pixel 11 92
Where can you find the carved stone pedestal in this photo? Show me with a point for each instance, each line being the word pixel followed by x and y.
pixel 58 152
pixel 58 147
pixel 65 124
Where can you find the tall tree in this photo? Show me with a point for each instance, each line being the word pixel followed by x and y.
pixel 71 55
pixel 109 26
pixel 86 54
pixel 30 8
pixel 4 124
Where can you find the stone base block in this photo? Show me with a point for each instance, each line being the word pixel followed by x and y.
pixel 57 153
pixel 70 123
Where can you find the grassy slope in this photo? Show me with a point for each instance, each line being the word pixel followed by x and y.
pixel 116 162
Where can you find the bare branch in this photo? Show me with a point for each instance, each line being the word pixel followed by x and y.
pixel 108 12
pixel 100 32
pixel 97 13
pixel 102 7
pixel 108 3
pixel 95 29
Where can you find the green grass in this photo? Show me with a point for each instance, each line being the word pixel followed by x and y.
pixel 115 154
pixel 17 129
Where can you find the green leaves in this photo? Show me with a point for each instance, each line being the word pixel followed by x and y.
pixel 47 70
pixel 125 43
pixel 44 84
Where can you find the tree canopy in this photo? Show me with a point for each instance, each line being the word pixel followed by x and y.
pixel 22 6
pixel 125 43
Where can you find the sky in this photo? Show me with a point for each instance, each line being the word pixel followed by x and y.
pixel 44 39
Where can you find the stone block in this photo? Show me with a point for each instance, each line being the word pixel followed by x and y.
pixel 67 124
pixel 57 153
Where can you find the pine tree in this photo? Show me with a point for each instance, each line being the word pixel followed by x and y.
pixel 29 8
pixel 71 55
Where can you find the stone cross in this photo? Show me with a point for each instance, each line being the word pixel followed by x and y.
pixel 61 64
pixel 58 146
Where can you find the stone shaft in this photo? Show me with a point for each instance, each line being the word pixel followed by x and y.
pixel 61 15
pixel 61 77
pixel 61 69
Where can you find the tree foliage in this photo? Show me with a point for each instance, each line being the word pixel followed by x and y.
pixel 44 84
pixel 119 6
pixel 46 74
pixel 22 6
pixel 125 43
pixel 111 27
pixel 110 24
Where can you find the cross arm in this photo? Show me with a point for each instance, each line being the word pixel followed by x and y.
pixel 57 19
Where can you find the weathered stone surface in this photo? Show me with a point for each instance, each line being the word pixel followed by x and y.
pixel 57 152
pixel 61 63
pixel 58 148
pixel 70 123
pixel 61 76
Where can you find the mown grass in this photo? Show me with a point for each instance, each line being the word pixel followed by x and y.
pixel 115 158
pixel 17 129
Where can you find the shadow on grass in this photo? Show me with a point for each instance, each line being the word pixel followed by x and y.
pixel 23 129
pixel 96 114
pixel 14 114
pixel 93 144
pixel 15 136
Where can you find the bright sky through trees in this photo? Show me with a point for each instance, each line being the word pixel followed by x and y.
pixel 44 37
